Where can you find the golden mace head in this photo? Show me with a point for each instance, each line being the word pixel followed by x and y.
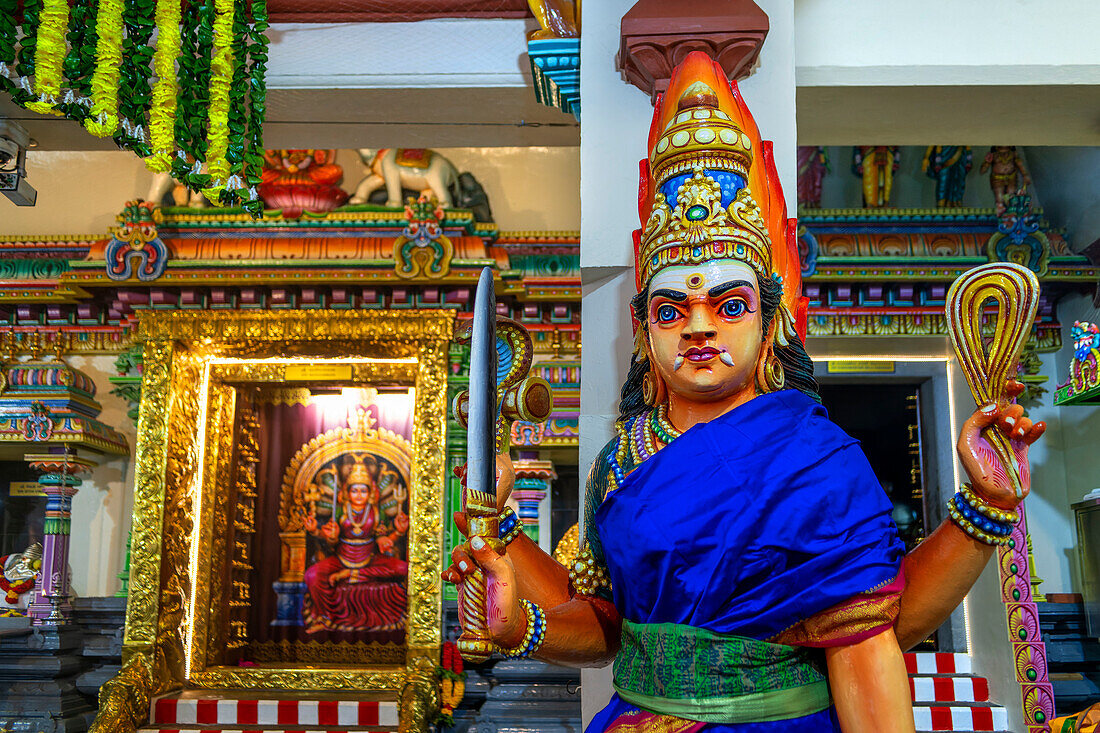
pixel 1013 292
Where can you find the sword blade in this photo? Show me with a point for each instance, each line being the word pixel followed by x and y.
pixel 481 425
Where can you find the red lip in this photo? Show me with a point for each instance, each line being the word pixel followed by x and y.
pixel 704 354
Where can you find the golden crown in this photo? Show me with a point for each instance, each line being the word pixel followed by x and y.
pixel 702 159
pixel 358 473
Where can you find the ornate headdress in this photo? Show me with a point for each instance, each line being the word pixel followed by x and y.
pixel 709 189
pixel 359 471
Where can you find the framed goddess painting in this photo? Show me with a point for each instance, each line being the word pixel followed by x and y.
pixel 289 503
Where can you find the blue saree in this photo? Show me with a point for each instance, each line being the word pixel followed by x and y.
pixel 746 526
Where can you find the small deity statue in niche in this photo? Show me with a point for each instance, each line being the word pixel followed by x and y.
pixel 18 577
pixel 361 586
pixel 1007 174
pixel 813 164
pixel 948 165
pixel 738 561
pixel 301 180
pixel 876 165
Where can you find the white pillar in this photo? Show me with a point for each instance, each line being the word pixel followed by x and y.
pixel 614 131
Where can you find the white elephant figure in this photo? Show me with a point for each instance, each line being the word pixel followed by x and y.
pixel 163 184
pixel 17 569
pixel 424 171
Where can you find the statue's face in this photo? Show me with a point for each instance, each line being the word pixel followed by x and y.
pixel 359 495
pixel 705 329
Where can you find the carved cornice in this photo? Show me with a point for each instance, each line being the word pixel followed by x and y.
pixel 656 35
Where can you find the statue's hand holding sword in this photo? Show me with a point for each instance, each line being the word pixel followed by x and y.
pixel 500 391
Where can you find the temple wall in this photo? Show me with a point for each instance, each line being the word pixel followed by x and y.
pixel 530 189
pixel 101 509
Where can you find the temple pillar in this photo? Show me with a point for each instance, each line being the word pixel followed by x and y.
pixel 58 479
pixel 613 139
pixel 532 493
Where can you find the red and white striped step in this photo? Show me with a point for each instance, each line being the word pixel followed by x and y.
pixel 948 697
pixel 224 714
pixel 945 688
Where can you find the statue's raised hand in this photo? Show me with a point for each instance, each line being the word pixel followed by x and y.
pixel 505 618
pixel 988 477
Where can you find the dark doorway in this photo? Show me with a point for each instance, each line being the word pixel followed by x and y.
pixel 885 419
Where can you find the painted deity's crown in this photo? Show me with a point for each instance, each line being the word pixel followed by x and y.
pixel 358 473
pixel 709 189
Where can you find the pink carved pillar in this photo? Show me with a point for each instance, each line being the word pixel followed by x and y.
pixel 533 479
pixel 1028 649
pixel 58 478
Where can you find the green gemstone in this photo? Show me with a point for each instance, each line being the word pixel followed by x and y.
pixel 698 212
pixel 1022 633
pixel 1040 717
pixel 1032 675
pixel 1012 544
pixel 1015 594
pixel 1014 568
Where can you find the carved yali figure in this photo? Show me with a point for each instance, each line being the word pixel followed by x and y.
pixel 738 560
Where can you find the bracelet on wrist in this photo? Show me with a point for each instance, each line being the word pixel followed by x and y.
pixel 978 504
pixel 533 636
pixel 977 525
pixel 510 527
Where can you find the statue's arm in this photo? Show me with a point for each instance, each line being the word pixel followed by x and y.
pixel 939 572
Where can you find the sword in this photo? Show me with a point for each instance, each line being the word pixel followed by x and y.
pixel 479 497
pixel 500 391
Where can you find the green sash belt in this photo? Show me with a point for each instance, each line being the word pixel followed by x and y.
pixel 692 673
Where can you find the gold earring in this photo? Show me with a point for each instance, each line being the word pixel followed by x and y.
pixel 774 375
pixel 653 388
pixel 649 388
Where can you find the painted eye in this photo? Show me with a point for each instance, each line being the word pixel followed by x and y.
pixel 733 308
pixel 667 313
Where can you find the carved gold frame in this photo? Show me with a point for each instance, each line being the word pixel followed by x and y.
pixel 192 359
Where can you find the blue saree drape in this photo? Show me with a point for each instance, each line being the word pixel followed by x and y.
pixel 747 525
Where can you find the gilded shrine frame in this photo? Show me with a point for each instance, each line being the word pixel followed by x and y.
pixel 192 360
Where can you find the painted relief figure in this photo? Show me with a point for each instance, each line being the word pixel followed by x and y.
pixel 361 586
pixel 738 561
pixel 1007 174
pixel 948 166
pixel 813 164
pixel 876 165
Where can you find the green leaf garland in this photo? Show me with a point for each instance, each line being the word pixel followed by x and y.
pixel 100 57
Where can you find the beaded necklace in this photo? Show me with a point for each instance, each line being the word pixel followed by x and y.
pixel 639 438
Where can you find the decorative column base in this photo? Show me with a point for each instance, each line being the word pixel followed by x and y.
pixel 50 606
pixel 533 479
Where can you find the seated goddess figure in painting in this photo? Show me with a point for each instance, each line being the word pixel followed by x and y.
pixel 738 559
pixel 361 586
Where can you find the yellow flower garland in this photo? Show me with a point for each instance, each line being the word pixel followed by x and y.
pixel 104 112
pixel 221 77
pixel 162 114
pixel 49 55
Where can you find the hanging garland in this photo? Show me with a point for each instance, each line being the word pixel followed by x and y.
pixel 49 56
pixel 452 681
pixel 162 115
pixel 96 61
pixel 221 77
pixel 24 68
pixel 80 62
pixel 8 34
pixel 103 120
pixel 134 92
